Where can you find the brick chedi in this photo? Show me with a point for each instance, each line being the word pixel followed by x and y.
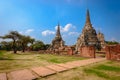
pixel 88 36
pixel 57 42
pixel 101 39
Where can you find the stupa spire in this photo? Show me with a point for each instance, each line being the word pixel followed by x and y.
pixel 88 17
pixel 58 31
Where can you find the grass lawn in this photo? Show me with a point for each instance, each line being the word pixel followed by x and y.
pixel 107 70
pixel 10 61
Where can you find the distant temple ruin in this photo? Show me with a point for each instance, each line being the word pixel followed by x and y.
pixel 57 42
pixel 101 39
pixel 89 37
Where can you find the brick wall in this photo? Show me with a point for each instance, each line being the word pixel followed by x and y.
pixel 87 51
pixel 113 52
pixel 70 50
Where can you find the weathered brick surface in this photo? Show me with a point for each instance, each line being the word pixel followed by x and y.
pixel 3 76
pixel 113 52
pixel 56 68
pixel 21 75
pixel 87 51
pixel 42 71
pixel 68 66
pixel 27 74
pixel 70 51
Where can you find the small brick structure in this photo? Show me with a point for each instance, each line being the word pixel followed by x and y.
pixel 87 51
pixel 113 52
pixel 70 50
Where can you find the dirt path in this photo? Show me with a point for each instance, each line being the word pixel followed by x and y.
pixel 37 72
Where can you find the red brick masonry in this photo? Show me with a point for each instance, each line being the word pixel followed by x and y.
pixel 87 51
pixel 113 52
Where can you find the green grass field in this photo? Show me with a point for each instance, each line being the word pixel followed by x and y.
pixel 10 61
pixel 107 70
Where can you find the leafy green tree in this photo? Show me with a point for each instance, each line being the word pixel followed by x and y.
pixel 38 45
pixel 14 35
pixel 24 41
pixel 111 42
pixel 6 45
pixel 46 46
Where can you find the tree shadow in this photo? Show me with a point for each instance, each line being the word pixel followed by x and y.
pixel 14 59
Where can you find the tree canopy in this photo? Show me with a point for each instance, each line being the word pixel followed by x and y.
pixel 111 42
pixel 21 42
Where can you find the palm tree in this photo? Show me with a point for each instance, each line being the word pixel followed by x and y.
pixel 14 35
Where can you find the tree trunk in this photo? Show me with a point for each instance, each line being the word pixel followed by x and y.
pixel 14 47
pixel 23 50
pixel 23 47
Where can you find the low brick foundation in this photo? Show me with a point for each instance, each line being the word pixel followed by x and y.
pixel 87 51
pixel 113 52
pixel 70 51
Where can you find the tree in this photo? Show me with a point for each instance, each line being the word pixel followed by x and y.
pixel 112 42
pixel 46 46
pixel 38 45
pixel 14 35
pixel 24 41
pixel 6 45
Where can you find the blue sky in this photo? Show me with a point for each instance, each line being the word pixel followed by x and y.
pixel 39 18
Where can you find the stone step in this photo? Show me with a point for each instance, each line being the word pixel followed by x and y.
pixel 3 76
pixel 42 71
pixel 37 72
pixel 57 68
pixel 21 75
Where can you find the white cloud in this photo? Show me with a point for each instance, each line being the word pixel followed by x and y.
pixel 73 33
pixel 26 32
pixel 29 31
pixel 21 32
pixel 47 32
pixel 57 27
pixel 66 28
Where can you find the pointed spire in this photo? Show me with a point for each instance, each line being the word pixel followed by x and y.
pixel 99 31
pixel 58 23
pixel 88 17
pixel 58 31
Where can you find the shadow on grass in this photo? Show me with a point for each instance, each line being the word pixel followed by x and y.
pixel 96 72
pixel 104 70
pixel 108 68
pixel 13 59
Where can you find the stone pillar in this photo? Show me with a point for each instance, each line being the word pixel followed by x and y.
pixel 108 54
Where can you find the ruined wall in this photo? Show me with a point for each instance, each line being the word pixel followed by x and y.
pixel 70 51
pixel 87 51
pixel 113 52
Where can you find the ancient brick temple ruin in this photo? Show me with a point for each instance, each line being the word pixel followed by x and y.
pixel 113 52
pixel 101 39
pixel 87 51
pixel 86 44
pixel 57 42
pixel 89 36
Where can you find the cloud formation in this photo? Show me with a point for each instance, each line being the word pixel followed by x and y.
pixel 73 33
pixel 47 32
pixel 29 31
pixel 66 28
